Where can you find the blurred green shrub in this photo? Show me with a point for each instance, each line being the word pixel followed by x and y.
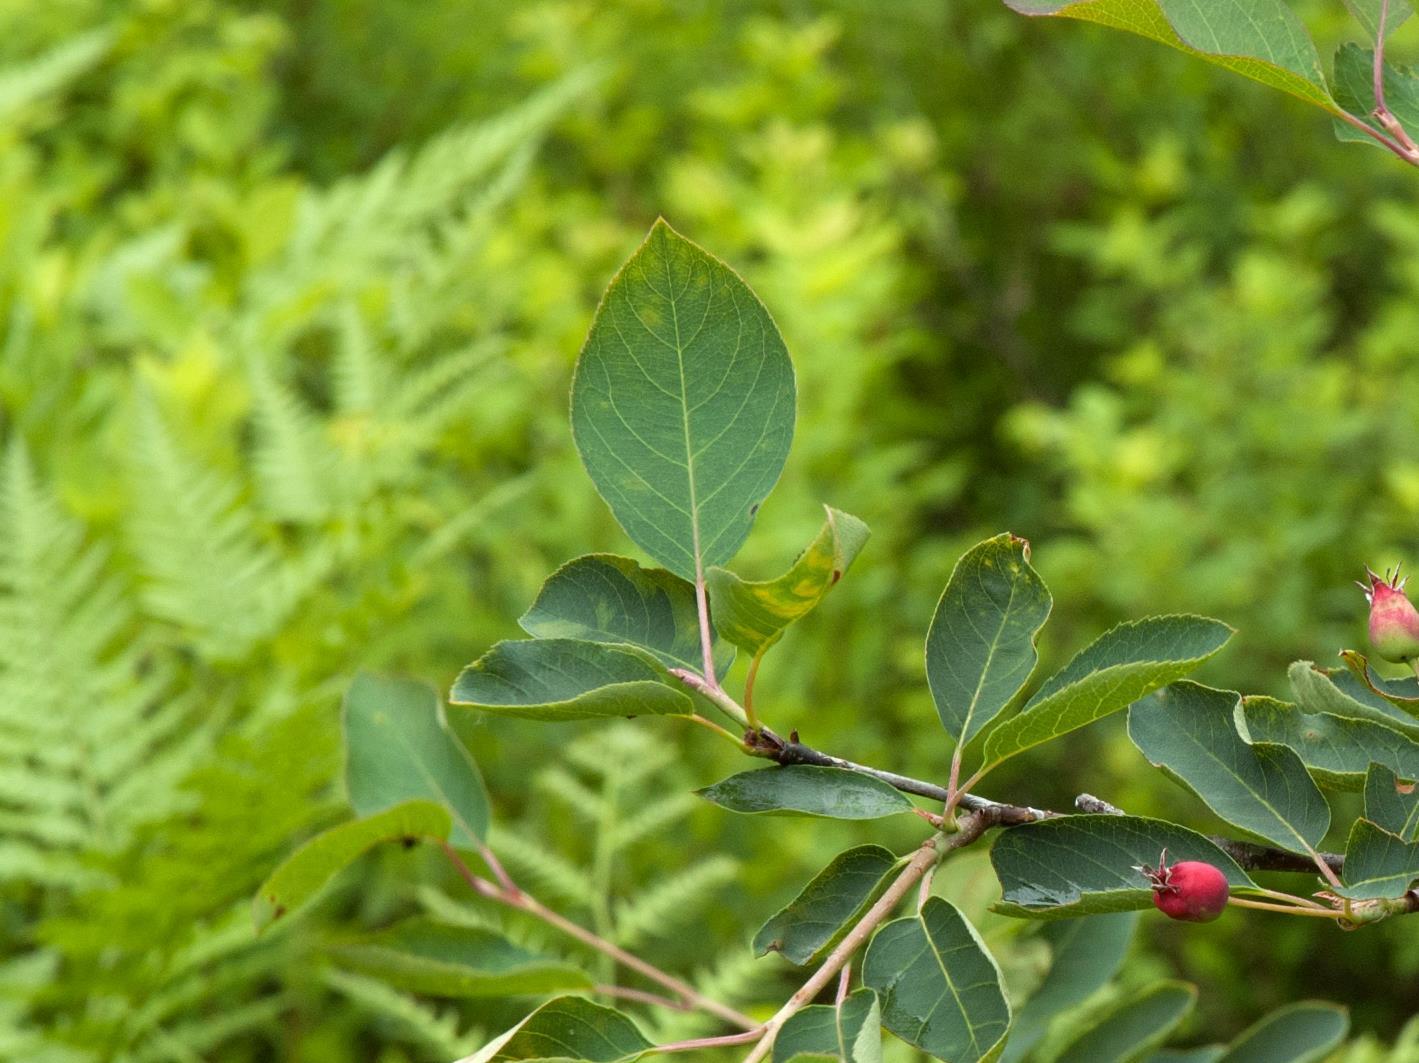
pixel 289 296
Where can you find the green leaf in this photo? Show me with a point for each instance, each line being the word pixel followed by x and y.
pixel 1303 1032
pixel 1202 1054
pixel 1083 865
pixel 1259 39
pixel 565 679
pixel 1084 954
pixel 807 790
pixel 398 748
pixel 1339 693
pixel 815 920
pixel 1392 803
pixel 1337 751
pixel 306 871
pixel 851 1033
pixel 1367 13
pixel 439 959
pixel 980 649
pixel 1402 693
pixel 682 403
pixel 1355 91
pixel 754 615
pixel 567 1029
pixel 1377 863
pixel 1189 730
pixel 1118 668
pixel 605 598
pixel 1133 1026
pixel 939 986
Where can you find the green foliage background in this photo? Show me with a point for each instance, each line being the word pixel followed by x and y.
pixel 289 298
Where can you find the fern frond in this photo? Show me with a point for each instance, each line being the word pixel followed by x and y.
pixel 433 1029
pixel 295 466
pixel 67 771
pixel 651 818
pixel 734 977
pixel 549 872
pixel 569 791
pixel 672 902
pixel 208 570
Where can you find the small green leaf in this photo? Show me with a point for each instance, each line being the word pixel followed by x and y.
pixel 1337 751
pixel 1190 732
pixel 1377 863
pixel 1259 39
pixel 807 790
pixel 939 986
pixel 1133 1026
pixel 447 960
pixel 1355 91
pixel 306 871
pixel 1304 1032
pixel 605 598
pixel 1083 865
pixel 1118 668
pixel 837 897
pixel 1402 693
pixel 1367 13
pixel 398 748
pixel 980 649
pixel 1084 954
pixel 565 679
pixel 851 1033
pixel 1392 803
pixel 1339 693
pixel 567 1030
pixel 682 403
pixel 754 615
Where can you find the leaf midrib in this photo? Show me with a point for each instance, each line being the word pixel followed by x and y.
pixel 685 422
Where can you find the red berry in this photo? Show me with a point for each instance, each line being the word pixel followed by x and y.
pixel 1192 891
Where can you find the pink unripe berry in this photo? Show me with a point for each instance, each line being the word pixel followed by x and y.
pixel 1192 891
pixel 1394 622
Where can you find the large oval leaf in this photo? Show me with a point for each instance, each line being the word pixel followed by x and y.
pixel 1303 1032
pixel 939 985
pixel 836 897
pixel 753 616
pixel 448 960
pixel 1119 667
pixel 565 679
pixel 1259 39
pixel 306 871
pixel 1190 731
pixel 1081 865
pixel 807 790
pixel 397 748
pixel 1133 1026
pixel 683 403
pixel 980 648
pixel 605 598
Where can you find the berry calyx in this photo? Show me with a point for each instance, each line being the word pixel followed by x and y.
pixel 1191 890
pixel 1394 622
